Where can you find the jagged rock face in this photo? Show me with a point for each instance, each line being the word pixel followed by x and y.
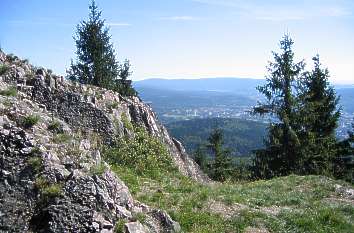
pixel 16 181
pixel 50 186
pixel 91 108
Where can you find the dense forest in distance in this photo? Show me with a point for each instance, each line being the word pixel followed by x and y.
pixel 241 136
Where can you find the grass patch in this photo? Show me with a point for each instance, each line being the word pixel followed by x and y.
pixel 10 91
pixel 119 227
pixel 98 169
pixel 3 69
pixel 52 191
pixel 35 163
pixel 54 126
pixel 146 155
pixel 62 138
pixel 298 200
pixel 47 190
pixel 30 121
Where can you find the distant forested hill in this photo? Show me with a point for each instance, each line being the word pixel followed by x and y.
pixel 347 99
pixel 242 136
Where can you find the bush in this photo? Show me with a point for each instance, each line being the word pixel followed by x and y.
pixel 3 69
pixel 30 121
pixel 54 126
pixel 143 153
pixel 10 91
pixel 52 191
pixel 62 138
pixel 35 163
pixel 46 189
pixel 98 169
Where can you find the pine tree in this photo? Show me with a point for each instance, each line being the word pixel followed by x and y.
pixel 280 155
pixel 344 162
pixel 221 167
pixel 96 63
pixel 318 116
pixel 200 158
pixel 123 85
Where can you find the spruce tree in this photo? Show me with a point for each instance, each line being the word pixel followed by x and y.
pixel 318 118
pixel 280 155
pixel 200 158
pixel 344 162
pixel 96 63
pixel 221 166
pixel 123 85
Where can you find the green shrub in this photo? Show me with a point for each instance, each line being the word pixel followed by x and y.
pixel 119 227
pixel 126 123
pixel 62 138
pixel 54 126
pixel 46 189
pixel 35 163
pixel 52 191
pixel 98 169
pixel 41 183
pixel 3 69
pixel 141 217
pixel 30 121
pixel 143 153
pixel 10 91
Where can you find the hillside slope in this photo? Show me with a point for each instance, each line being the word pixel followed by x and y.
pixel 58 174
pixel 240 136
pixel 52 175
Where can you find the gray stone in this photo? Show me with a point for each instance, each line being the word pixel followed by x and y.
pixel 134 227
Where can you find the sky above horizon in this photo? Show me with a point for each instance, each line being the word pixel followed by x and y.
pixel 187 38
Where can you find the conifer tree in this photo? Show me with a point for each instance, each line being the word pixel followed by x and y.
pixel 318 118
pixel 200 158
pixel 221 166
pixel 96 63
pixel 280 155
pixel 123 85
pixel 344 162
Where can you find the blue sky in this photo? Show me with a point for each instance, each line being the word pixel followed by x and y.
pixel 187 38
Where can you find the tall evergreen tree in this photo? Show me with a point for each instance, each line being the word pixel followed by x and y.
pixel 344 163
pixel 280 155
pixel 123 85
pixel 318 118
pixel 200 158
pixel 96 63
pixel 221 166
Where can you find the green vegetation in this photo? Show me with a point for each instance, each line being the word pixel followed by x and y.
pixel 96 60
pixel 3 69
pixel 142 153
pixel 62 138
pixel 240 136
pixel 46 189
pixel 293 203
pixel 30 121
pixel 285 204
pixel 119 227
pixel 221 165
pixel 98 169
pixel 303 140
pixel 52 191
pixel 54 126
pixel 10 91
pixel 35 163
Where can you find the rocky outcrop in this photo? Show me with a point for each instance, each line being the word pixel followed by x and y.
pixel 56 184
pixel 95 109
